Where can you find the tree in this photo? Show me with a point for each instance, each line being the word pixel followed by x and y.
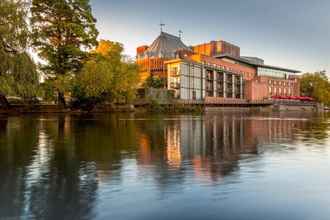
pixel 316 85
pixel 21 77
pixel 14 33
pixel 62 32
pixel 105 76
pixel 18 72
pixel 26 77
pixel 155 82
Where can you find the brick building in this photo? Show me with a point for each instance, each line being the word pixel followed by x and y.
pixel 268 81
pixel 214 70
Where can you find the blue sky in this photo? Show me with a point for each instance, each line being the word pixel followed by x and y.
pixel 288 33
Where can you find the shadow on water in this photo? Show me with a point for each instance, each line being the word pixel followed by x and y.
pixel 52 167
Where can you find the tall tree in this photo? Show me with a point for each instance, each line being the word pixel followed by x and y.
pixel 63 30
pixel 14 31
pixel 106 75
pixel 18 74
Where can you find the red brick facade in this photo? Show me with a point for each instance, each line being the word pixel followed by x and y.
pixel 255 90
pixel 255 87
pixel 262 87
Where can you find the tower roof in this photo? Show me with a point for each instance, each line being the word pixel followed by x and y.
pixel 165 46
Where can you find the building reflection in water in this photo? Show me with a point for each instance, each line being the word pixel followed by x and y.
pixel 214 143
pixel 173 144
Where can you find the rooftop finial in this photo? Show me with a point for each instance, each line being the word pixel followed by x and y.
pixel 162 25
pixel 180 33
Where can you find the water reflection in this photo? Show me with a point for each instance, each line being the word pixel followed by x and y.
pixel 69 167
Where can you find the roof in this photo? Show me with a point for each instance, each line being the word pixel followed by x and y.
pixel 255 60
pixel 278 68
pixel 246 61
pixel 165 46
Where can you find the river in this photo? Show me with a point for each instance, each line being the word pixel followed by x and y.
pixel 231 166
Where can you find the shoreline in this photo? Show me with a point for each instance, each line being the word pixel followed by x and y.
pixel 155 108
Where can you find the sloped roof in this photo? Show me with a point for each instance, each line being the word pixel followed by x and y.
pixel 165 46
pixel 246 61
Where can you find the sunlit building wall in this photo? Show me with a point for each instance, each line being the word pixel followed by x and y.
pixel 213 70
pixel 198 78
pixel 214 48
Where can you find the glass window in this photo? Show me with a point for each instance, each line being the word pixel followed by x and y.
pixel 272 72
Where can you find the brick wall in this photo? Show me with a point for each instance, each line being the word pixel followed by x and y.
pixel 216 48
pixel 255 90
pixel 259 88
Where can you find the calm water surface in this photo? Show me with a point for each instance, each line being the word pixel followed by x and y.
pixel 215 166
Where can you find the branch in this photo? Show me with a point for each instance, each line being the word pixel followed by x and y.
pixel 7 47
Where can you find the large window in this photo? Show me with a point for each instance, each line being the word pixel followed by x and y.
pixel 237 87
pixel 209 82
pixel 229 85
pixel 191 81
pixel 262 71
pixel 220 84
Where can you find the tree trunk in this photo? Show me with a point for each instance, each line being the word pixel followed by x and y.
pixel 61 99
pixel 4 102
pixel 3 127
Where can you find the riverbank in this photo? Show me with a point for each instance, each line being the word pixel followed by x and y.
pixel 155 107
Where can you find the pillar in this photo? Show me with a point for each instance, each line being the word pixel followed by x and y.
pixel 203 78
pixel 233 85
pixel 224 85
pixel 241 87
pixel 214 83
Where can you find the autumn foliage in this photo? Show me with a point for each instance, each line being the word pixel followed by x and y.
pixel 105 76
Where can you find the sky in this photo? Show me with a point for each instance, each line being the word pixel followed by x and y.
pixel 287 33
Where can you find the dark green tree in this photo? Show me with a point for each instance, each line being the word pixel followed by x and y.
pixel 63 31
pixel 18 74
